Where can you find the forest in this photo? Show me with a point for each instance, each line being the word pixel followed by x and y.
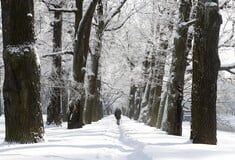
pixel 72 63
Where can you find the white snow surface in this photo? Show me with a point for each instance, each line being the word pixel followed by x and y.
pixel 104 140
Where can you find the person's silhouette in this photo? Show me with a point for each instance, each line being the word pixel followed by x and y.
pixel 117 115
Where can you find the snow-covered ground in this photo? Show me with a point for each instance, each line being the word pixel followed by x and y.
pixel 104 140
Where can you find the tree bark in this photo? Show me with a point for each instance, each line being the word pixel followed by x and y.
pixel 21 89
pixel 206 64
pixel 1 106
pixel 54 108
pixel 179 62
pixel 160 66
pixel 161 110
pixel 93 67
pixel 132 101
pixel 82 42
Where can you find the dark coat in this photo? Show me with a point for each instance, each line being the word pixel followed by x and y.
pixel 118 113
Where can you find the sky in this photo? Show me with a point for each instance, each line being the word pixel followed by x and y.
pixel 104 140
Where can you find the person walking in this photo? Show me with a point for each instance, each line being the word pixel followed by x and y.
pixel 117 115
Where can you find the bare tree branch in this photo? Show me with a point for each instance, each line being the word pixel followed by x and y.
pixel 114 12
pixel 57 54
pixel 228 68
pixel 55 7
pixel 224 4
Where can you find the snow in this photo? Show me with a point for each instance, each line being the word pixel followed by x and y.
pixel 211 4
pixel 29 15
pixel 104 140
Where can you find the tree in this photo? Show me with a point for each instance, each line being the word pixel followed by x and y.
pixel 93 65
pixel 179 62
pixel 21 90
pixel 206 64
pixel 161 31
pixel 92 110
pixel 81 44
pixel 54 107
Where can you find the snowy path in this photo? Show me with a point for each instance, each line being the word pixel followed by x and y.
pixel 104 140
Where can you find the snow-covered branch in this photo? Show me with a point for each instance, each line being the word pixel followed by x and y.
pixel 57 54
pixel 131 13
pixel 225 67
pixel 54 7
pixel 114 12
pixel 72 10
pixel 120 26
pixel 224 4
pixel 187 24
pixel 228 68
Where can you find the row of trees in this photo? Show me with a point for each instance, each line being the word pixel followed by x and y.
pixel 165 110
pixel 92 19
pixel 21 90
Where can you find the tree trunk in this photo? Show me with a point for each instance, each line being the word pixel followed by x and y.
pixel 144 110
pixel 1 107
pixel 98 110
pixel 138 99
pixel 54 108
pixel 160 66
pixel 206 64
pixel 179 61
pixel 78 15
pixel 93 67
pixel 21 90
pixel 82 43
pixel 132 101
pixel 161 110
pixel 65 97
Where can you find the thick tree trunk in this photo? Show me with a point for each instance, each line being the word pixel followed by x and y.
pixel 21 90
pixel 206 64
pixel 82 44
pixel 54 108
pixel 97 113
pixel 93 67
pixel 179 61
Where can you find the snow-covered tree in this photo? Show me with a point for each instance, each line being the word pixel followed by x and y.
pixel 178 67
pixel 206 64
pixel 21 90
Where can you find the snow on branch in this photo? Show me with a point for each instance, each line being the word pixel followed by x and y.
pixel 187 24
pixel 55 7
pixel 228 68
pixel 131 13
pixel 114 12
pixel 120 26
pixel 224 4
pixel 73 10
pixel 57 54
pixel 224 67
